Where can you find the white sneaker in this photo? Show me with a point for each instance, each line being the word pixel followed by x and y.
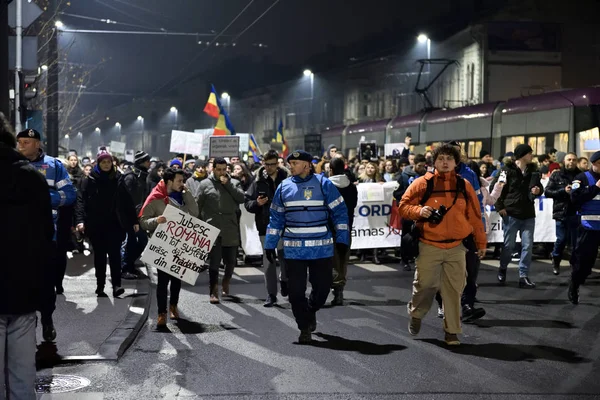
pixel 440 312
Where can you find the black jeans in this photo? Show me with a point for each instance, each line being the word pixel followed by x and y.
pixel 107 243
pixel 473 263
pixel 584 256
pixel 47 303
pixel 320 276
pixel 134 246
pixel 161 291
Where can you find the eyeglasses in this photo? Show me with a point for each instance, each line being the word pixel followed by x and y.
pixel 270 164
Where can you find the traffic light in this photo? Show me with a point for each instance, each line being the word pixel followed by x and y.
pixel 27 91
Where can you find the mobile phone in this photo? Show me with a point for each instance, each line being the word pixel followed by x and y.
pixel 502 178
pixel 262 194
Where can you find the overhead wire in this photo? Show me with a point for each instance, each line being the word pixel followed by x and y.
pixel 193 60
pixel 103 20
pixel 147 26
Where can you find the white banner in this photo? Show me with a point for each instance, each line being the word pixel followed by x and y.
pixel 545 226
pixel 117 147
pixel 249 234
pixel 393 150
pixel 244 142
pixel 181 245
pixel 372 215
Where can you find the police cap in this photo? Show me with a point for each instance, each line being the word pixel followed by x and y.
pixel 29 133
pixel 595 157
pixel 299 155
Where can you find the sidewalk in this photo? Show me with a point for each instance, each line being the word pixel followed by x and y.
pixel 90 328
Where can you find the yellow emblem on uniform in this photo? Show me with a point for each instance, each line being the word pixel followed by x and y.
pixel 307 194
pixel 296 154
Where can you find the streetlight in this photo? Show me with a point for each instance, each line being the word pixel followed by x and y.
pixel 225 95
pixel 423 38
pixel 44 67
pixel 118 124
pixel 227 99
pixel 59 24
pixel 97 129
pixel 175 113
pixel 141 119
pixel 307 72
pixel 173 109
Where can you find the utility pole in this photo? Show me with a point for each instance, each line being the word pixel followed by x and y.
pixel 52 98
pixel 4 100
pixel 18 64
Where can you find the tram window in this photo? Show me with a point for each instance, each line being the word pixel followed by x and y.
pixel 588 143
pixel 561 142
pixel 473 149
pixel 538 144
pixel 514 141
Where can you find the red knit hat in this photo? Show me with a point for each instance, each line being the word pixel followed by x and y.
pixel 552 167
pixel 102 154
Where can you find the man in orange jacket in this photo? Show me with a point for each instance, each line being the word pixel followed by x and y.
pixel 447 217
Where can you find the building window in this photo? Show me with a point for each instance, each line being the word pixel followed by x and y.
pixel 514 141
pixel 366 110
pixel 588 142
pixel 561 142
pixel 538 144
pixel 473 149
pixel 472 82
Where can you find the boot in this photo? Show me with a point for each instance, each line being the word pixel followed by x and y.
pixel 173 312
pixel 338 297
pixel 214 293
pixel 556 265
pixel 225 284
pixel 161 321
pixel 100 292
pixel 376 259
pixel 573 293
pixel 48 331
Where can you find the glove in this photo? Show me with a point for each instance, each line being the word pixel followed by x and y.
pixel 341 248
pixel 271 255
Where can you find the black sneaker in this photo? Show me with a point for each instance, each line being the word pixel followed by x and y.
pixel 470 314
pixel 338 297
pixel 100 292
pixel 118 291
pixel 305 337
pixel 48 332
pixel 407 267
pixel 526 283
pixel 502 276
pixel 284 288
pixel 573 293
pixel 270 301
pixel 60 290
pixel 556 265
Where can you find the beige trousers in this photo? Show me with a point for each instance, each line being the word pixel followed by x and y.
pixel 443 270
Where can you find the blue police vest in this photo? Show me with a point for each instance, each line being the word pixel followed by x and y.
pixel 590 210
pixel 300 215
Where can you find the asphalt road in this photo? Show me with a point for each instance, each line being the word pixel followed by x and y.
pixel 532 344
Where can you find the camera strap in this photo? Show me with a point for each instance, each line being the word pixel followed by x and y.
pixel 460 188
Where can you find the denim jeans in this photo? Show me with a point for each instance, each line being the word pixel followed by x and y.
pixel 271 268
pixel 525 227
pixel 566 232
pixel 17 356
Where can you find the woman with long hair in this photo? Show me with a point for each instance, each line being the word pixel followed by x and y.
pixel 371 174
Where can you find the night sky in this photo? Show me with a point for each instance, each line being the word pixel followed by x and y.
pixel 297 34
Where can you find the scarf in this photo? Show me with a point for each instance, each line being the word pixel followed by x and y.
pixel 104 175
pixel 158 193
pixel 177 197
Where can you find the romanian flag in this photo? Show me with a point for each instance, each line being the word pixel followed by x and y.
pixel 280 139
pixel 215 109
pixel 254 150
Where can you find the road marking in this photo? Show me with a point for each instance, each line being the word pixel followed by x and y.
pixel 248 271
pixel 375 267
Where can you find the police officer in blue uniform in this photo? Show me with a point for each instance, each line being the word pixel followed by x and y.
pixel 62 193
pixel 585 196
pixel 307 210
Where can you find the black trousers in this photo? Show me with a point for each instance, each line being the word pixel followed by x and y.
pixel 48 293
pixel 584 256
pixel 107 243
pixel 162 288
pixel 473 264
pixel 320 277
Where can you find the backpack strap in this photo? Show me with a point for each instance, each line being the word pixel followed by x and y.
pixel 428 190
pixel 460 188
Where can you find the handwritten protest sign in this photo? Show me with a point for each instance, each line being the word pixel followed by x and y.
pixel 186 142
pixel 224 146
pixel 180 246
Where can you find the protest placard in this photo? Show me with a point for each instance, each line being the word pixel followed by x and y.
pixel 117 147
pixel 393 150
pixel 224 146
pixel 186 142
pixel 244 142
pixel 180 246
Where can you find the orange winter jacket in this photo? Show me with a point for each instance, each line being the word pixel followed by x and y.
pixel 463 219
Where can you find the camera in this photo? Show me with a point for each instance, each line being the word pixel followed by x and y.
pixel 437 215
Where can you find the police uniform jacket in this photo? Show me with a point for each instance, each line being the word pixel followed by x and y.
pixel 306 212
pixel 585 195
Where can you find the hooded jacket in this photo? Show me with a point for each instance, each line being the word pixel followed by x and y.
pixel 219 204
pixel 104 205
pixel 26 234
pixel 263 183
pixel 460 221
pixel 516 197
pixel 406 178
pixel 349 192
pixel 555 189
pixel 136 183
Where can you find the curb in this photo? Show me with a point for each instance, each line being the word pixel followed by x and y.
pixel 126 332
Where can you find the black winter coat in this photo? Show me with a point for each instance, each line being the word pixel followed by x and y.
pixel 26 232
pixel 104 206
pixel 516 197
pixel 136 183
pixel 555 189
pixel 262 184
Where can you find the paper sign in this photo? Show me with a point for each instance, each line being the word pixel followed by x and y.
pixel 371 192
pixel 244 142
pixel 180 246
pixel 117 147
pixel 394 150
pixel 224 146
pixel 129 155
pixel 186 142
